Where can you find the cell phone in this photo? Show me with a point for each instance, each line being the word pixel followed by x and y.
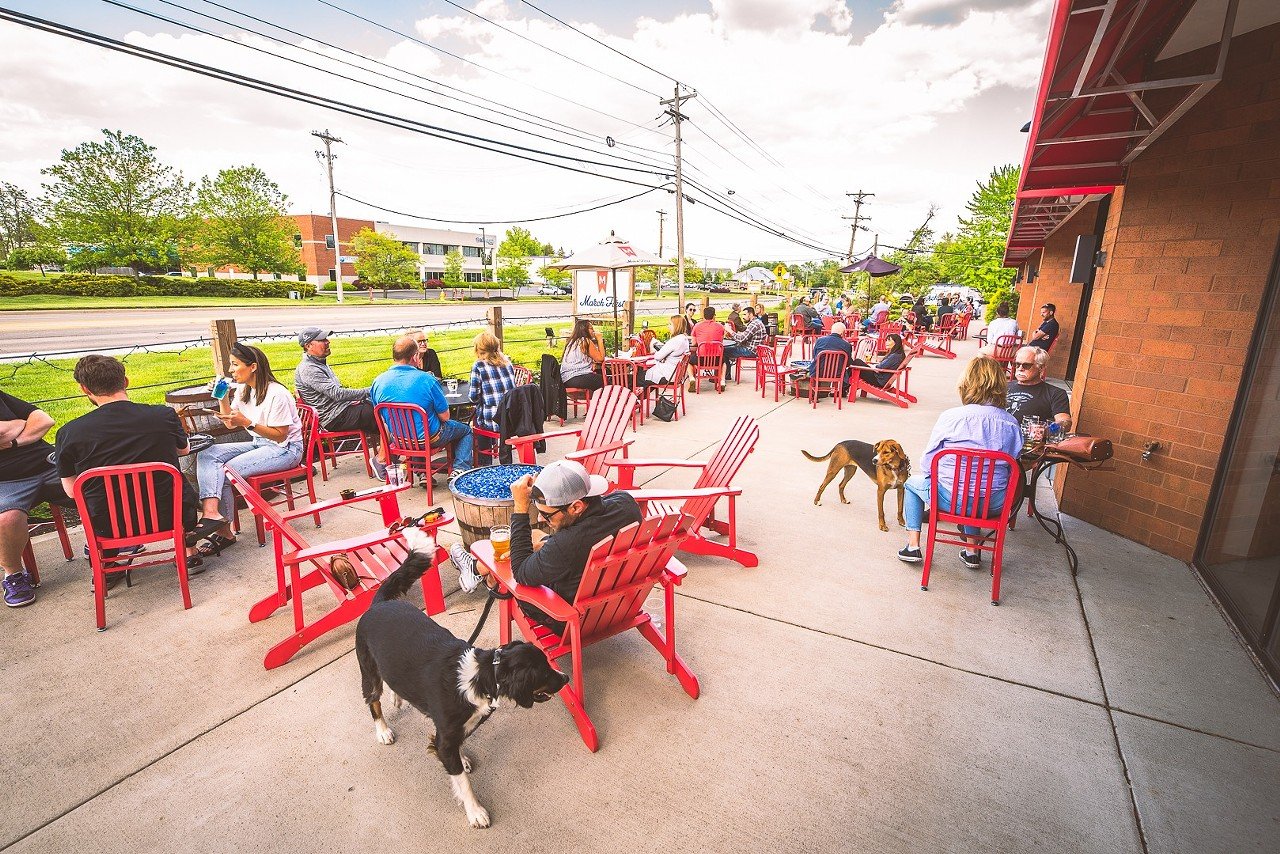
pixel 204 411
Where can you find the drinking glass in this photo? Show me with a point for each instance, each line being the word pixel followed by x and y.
pixel 500 536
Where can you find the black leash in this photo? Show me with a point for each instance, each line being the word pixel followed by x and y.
pixel 484 615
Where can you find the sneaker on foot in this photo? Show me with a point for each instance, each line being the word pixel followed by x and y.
pixel 379 470
pixel 973 560
pixel 468 578
pixel 18 590
pixel 910 555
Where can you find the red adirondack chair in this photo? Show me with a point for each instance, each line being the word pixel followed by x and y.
pixel 403 428
pixel 699 502
pixel 133 519
pixel 676 388
pixel 620 573
pixel 939 341
pixel 706 365
pixel 971 505
pixel 600 435
pixel 1006 349
pixel 301 566
pixel 828 375
pixel 769 371
pixel 894 390
pixel 29 555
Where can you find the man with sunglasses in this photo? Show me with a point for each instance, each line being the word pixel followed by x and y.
pixel 1030 396
pixel 580 515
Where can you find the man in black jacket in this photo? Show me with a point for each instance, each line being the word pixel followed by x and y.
pixel 580 515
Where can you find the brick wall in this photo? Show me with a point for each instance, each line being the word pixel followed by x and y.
pixel 1053 284
pixel 318 258
pixel 1190 242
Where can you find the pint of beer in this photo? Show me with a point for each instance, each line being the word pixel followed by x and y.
pixel 500 536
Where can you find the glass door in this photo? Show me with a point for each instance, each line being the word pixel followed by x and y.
pixel 1239 550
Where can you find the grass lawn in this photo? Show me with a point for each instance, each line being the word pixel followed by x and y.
pixel 356 361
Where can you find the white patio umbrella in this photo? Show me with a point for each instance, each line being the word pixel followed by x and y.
pixel 613 254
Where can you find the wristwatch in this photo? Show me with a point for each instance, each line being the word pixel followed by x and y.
pixel 13 443
pixel 252 427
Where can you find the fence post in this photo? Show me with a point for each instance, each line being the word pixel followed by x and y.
pixel 629 317
pixel 706 301
pixel 495 322
pixel 223 335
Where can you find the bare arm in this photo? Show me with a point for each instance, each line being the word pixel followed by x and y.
pixel 28 431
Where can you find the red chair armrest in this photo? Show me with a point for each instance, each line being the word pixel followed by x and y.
pixel 644 495
pixel 674 463
pixel 674 571
pixel 322 506
pixel 588 453
pixel 544 599
pixel 517 441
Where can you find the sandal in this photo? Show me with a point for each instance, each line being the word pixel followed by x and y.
pixel 214 544
pixel 204 528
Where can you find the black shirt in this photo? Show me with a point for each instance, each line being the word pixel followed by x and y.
pixel 563 556
pixel 23 461
pixel 1042 400
pixel 1050 329
pixel 119 433
pixel 431 363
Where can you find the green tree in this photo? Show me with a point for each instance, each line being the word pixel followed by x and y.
pixel 512 272
pixel 17 218
pixel 519 242
pixel 693 273
pixel 41 250
pixel 117 204
pixel 383 260
pixel 242 222
pixel 975 256
pixel 453 277
pixel 559 278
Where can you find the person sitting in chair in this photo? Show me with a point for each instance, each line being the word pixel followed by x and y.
pixel 340 409
pixel 806 311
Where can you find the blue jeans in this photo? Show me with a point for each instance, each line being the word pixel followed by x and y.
pixel 452 432
pixel 917 498
pixel 245 459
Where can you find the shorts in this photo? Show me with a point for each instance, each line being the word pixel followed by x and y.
pixel 29 491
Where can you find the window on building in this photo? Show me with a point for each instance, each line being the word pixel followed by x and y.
pixel 434 249
pixel 328 241
pixel 297 240
pixel 471 251
pixel 474 277
pixel 333 275
pixel 412 244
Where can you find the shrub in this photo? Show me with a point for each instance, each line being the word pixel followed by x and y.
pixel 89 285
pixel 433 283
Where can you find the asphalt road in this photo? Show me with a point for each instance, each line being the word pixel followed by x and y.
pixel 51 332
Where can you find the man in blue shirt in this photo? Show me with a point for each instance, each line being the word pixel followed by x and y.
pixel 406 382
pixel 834 341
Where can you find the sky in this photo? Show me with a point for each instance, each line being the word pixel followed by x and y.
pixel 799 102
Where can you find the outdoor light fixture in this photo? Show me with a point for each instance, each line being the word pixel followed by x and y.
pixel 608 140
pixel 1026 128
pixel 1149 450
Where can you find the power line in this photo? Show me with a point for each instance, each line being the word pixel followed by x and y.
pixel 597 41
pixel 498 221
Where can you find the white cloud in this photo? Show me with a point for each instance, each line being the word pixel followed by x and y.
pixel 916 111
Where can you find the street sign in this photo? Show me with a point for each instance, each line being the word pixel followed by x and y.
pixel 348 259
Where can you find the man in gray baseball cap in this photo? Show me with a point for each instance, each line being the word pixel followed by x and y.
pixel 340 409
pixel 580 514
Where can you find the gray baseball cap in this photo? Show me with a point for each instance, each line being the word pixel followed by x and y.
pixel 566 481
pixel 312 333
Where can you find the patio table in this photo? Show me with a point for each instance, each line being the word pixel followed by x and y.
pixel 1036 460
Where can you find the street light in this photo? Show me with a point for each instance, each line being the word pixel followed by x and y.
pixel 484 262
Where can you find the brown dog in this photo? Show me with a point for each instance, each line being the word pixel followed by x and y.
pixel 885 463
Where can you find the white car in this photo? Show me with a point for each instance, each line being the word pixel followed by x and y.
pixel 551 291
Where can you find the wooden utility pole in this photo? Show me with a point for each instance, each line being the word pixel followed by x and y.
pixel 328 157
pixel 657 272
pixel 673 110
pixel 858 198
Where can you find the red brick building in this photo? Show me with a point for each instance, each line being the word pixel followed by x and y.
pixel 1157 135
pixel 315 233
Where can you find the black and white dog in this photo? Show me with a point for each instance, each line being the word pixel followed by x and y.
pixel 453 683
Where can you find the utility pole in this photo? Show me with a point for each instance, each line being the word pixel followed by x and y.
pixel 673 110
pixel 858 198
pixel 657 273
pixel 328 157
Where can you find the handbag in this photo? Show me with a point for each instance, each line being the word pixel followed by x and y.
pixel 664 409
pixel 1085 449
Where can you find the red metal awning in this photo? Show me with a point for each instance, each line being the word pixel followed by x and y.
pixel 1098 107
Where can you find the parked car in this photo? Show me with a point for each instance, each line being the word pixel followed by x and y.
pixel 719 289
pixel 551 291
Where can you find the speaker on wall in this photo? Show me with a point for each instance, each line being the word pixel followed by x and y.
pixel 1083 262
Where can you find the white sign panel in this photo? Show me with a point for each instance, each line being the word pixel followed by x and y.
pixel 600 291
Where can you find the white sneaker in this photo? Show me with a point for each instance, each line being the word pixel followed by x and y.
pixel 468 578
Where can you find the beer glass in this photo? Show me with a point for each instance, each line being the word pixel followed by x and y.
pixel 500 536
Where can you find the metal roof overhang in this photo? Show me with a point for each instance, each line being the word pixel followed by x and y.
pixel 1098 107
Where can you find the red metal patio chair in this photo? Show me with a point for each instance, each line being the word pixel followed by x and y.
pixel 328 442
pixel 600 435
pixel 676 388
pixel 619 575
pixel 768 371
pixel 971 505
pixel 961 332
pixel 1006 349
pixel 895 388
pixel 283 480
pixel 403 428
pixel 622 372
pixel 524 376
pixel 29 555
pixel 301 566
pixel 134 518
pixel 707 364
pixel 801 331
pixel 699 502
pixel 828 375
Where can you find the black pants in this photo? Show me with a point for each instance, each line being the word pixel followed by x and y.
pixel 868 377
pixel 357 416
pixel 590 382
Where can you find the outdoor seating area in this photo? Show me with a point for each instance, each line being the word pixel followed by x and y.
pixel 835 705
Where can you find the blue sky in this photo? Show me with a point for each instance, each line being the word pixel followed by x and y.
pixel 914 101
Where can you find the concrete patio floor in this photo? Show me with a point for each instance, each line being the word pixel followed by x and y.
pixel 842 708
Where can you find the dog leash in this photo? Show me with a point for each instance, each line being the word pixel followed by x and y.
pixel 484 615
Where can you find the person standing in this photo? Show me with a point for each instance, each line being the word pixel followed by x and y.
pixel 27 479
pixel 1048 331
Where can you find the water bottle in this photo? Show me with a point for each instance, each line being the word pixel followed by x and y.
pixel 1055 433
pixel 220 388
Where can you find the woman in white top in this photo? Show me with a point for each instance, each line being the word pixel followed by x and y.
pixel 668 355
pixel 263 407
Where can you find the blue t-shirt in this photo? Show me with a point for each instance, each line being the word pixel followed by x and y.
pixel 407 384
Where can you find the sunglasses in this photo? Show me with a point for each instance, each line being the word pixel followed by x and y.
pixel 1024 365
pixel 432 515
pixel 548 514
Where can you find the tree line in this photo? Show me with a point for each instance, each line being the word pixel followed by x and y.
pixel 113 203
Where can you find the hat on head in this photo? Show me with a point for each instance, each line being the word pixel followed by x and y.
pixel 566 481
pixel 312 333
